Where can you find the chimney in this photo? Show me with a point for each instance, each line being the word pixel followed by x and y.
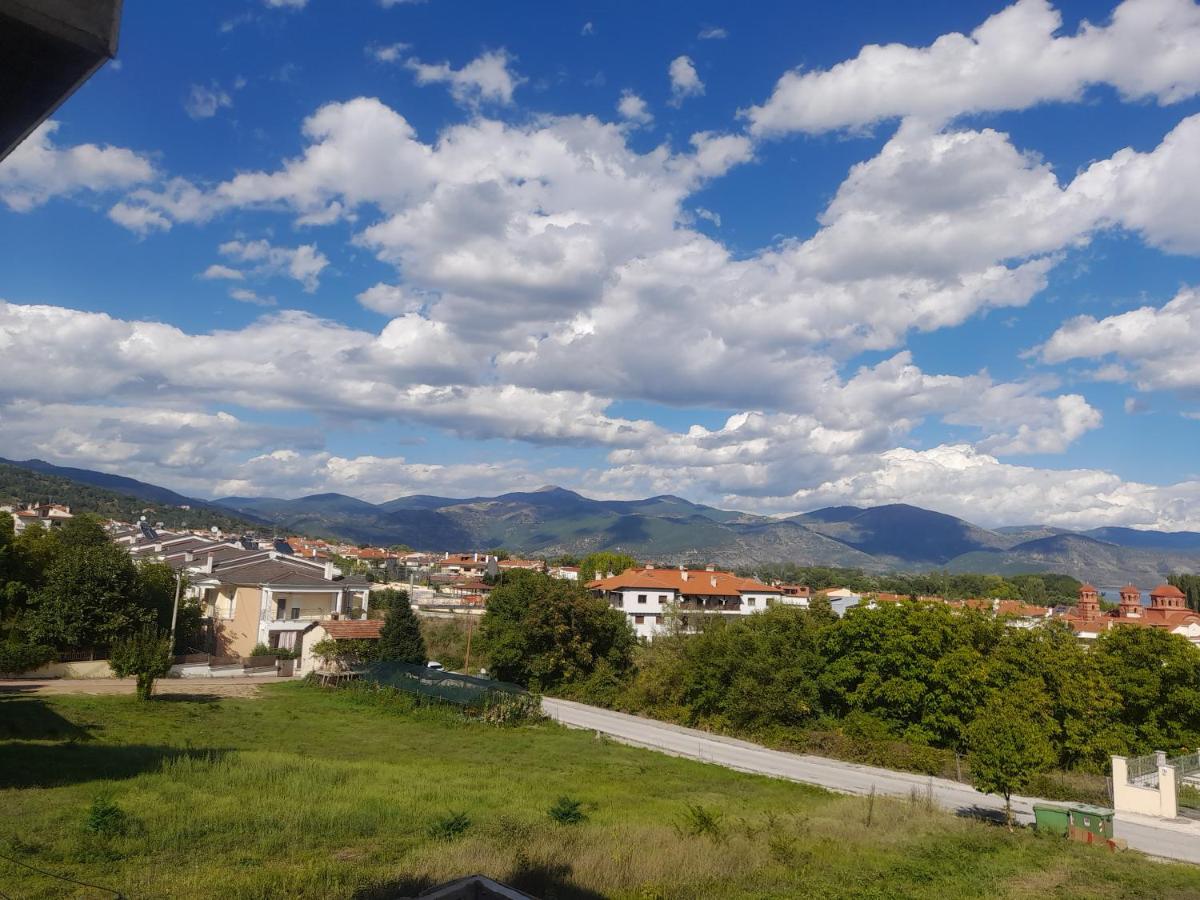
pixel 329 570
pixel 446 555
pixel 712 579
pixel 683 573
pixel 208 564
pixel 188 556
pixel 649 567
pixel 475 557
pixel 710 568
pixel 599 575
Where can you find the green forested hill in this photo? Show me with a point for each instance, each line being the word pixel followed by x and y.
pixel 20 485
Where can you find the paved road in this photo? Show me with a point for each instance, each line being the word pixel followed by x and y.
pixel 1173 841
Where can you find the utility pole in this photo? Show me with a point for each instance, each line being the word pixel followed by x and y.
pixel 175 606
pixel 467 661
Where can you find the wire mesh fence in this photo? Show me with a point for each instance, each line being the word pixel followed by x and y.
pixel 447 687
pixel 1143 770
pixel 1186 765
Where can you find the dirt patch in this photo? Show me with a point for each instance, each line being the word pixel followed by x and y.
pixel 198 688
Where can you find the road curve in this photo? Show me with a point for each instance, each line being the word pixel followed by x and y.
pixel 1167 840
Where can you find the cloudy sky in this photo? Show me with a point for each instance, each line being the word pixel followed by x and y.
pixel 768 258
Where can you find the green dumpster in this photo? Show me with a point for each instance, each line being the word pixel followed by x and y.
pixel 1051 818
pixel 1090 824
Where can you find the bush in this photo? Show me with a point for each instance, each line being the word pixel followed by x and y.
pixel 698 820
pixel 277 652
pixel 107 819
pixel 511 709
pixel 146 655
pixel 450 826
pixel 345 654
pixel 15 658
pixel 567 811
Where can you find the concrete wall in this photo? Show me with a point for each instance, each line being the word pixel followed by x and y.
pixel 306 641
pixel 1161 802
pixel 98 668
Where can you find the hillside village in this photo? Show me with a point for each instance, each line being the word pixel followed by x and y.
pixel 418 318
pixel 284 593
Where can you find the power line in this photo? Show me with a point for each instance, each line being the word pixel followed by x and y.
pixel 23 865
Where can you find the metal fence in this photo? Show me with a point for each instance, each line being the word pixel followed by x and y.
pixel 449 687
pixel 1187 768
pixel 1143 770
pixel 1187 765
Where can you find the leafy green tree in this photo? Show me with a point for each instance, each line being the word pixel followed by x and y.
pixel 1190 585
pixel 1157 675
pixel 400 638
pixel 156 584
pixel 83 531
pixel 605 561
pixel 146 655
pixel 752 673
pixel 885 662
pixel 92 596
pixel 1031 588
pixel 1008 746
pixel 544 632
pixel 383 600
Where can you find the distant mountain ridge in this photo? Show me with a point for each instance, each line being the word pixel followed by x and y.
pixel 113 496
pixel 670 529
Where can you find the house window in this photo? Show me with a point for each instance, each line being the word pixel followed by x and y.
pixel 750 601
pixel 662 598
pixel 295 612
pixel 641 598
pixel 638 620
pixel 280 609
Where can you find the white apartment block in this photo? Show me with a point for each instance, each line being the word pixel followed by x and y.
pixel 648 595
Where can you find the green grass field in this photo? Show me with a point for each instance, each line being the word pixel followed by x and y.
pixel 308 793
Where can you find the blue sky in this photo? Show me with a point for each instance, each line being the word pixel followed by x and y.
pixel 766 257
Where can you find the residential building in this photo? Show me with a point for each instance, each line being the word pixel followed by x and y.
pixel 795 594
pixel 266 597
pixel 333 630
pixel 533 565
pixel 566 573
pixel 474 564
pixel 648 596
pixel 41 515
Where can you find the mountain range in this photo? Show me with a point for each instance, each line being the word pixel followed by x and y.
pixel 670 529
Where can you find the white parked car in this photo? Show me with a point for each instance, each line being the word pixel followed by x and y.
pixel 434 664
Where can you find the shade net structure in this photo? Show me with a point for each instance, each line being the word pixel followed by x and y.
pixel 448 687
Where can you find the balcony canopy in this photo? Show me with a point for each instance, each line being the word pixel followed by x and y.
pixel 48 48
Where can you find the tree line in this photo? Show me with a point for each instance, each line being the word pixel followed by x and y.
pixel 919 674
pixel 71 590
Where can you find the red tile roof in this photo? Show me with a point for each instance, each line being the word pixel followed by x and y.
pixel 697 583
pixel 1167 590
pixel 353 629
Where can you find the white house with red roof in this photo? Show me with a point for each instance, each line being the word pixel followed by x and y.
pixel 649 595
pixel 42 515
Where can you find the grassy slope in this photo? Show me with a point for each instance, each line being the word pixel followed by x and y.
pixel 310 794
